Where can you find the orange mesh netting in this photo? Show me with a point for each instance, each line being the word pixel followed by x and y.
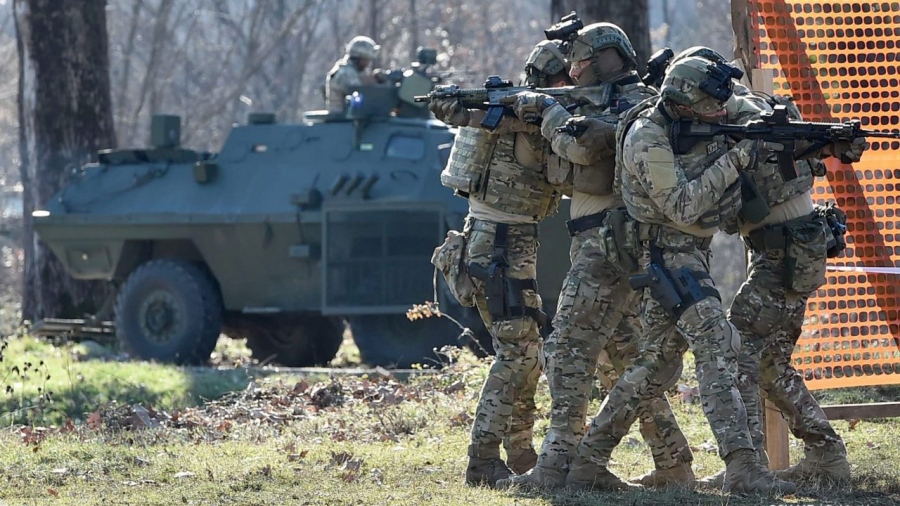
pixel 840 61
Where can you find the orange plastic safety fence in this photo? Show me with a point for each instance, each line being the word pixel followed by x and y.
pixel 840 61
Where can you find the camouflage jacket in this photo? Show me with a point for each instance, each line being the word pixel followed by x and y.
pixel 591 168
pixel 343 78
pixel 661 187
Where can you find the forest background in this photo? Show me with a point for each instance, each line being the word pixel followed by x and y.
pixel 214 61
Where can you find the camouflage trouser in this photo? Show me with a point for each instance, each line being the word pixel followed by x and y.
pixel 596 314
pixel 715 344
pixel 769 317
pixel 506 410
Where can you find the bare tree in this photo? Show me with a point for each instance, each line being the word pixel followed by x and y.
pixel 65 114
pixel 633 16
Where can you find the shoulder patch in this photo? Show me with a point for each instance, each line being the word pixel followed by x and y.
pixel 661 168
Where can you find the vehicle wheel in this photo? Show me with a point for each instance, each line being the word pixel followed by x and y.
pixel 395 341
pixel 294 341
pixel 170 311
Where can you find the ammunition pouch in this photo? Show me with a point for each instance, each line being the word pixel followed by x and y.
pixel 448 259
pixel 675 290
pixel 619 235
pixel 504 295
pixel 805 246
pixel 836 220
pixel 754 207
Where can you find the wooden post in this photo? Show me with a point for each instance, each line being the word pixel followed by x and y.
pixel 777 438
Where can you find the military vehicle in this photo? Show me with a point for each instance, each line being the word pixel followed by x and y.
pixel 281 236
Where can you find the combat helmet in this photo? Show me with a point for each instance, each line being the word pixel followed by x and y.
pixel 699 84
pixel 546 60
pixel 598 36
pixel 362 47
pixel 701 52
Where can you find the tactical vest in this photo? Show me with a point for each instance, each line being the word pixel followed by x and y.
pixel 767 177
pixel 693 164
pixel 600 179
pixel 483 167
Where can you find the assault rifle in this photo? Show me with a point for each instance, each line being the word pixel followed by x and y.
pixel 498 96
pixel 774 127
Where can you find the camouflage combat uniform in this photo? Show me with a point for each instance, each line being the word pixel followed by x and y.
pixel 502 174
pixel 681 199
pixel 788 237
pixel 505 178
pixel 343 78
pixel 350 72
pixel 597 309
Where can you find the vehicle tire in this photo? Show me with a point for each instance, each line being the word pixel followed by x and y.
pixel 295 340
pixel 169 311
pixel 395 341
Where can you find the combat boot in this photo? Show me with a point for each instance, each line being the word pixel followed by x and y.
pixel 826 465
pixel 539 477
pixel 486 471
pixel 586 475
pixel 744 474
pixel 682 474
pixel 713 482
pixel 521 460
pixel 717 481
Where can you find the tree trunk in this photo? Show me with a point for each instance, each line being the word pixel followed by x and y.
pixel 633 16
pixel 65 115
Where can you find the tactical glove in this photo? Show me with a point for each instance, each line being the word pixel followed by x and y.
pixel 591 132
pixel 530 105
pixel 450 111
pixel 745 154
pixel 847 151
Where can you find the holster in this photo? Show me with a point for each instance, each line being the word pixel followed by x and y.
pixel 675 290
pixel 619 223
pixel 621 235
pixel 505 298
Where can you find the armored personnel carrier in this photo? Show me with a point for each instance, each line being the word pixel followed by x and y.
pixel 283 235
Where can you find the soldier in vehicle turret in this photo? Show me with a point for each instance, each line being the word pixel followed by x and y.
pixel 350 72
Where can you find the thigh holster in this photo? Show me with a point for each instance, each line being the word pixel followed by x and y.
pixel 676 290
pixel 505 297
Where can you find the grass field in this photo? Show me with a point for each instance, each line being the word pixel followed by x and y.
pixel 116 432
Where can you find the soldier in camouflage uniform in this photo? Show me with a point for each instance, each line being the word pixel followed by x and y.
pixel 492 264
pixel 350 72
pixel 790 240
pixel 596 310
pixel 681 200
